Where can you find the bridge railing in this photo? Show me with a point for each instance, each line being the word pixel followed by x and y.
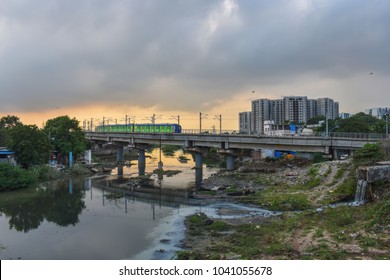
pixel 354 135
pixel 349 135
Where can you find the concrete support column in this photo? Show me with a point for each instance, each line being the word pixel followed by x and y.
pixel 120 159
pixel 141 162
pixel 335 154
pixel 198 169
pixel 229 162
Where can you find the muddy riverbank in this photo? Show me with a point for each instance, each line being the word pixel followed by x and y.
pixel 311 224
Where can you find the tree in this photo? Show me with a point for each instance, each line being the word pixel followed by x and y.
pixel 30 144
pixel 9 122
pixel 360 122
pixel 316 120
pixel 66 135
pixel 369 154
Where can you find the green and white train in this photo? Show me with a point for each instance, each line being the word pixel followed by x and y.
pixel 140 128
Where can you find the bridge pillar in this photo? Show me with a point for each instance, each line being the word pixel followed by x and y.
pixel 229 162
pixel 230 155
pixel 335 154
pixel 141 162
pixel 198 169
pixel 120 159
pixel 197 153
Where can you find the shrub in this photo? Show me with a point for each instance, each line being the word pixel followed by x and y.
pixel 13 177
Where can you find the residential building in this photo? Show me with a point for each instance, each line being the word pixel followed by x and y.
pixel 260 113
pixel 245 122
pixel 289 109
pixel 378 112
pixel 295 109
pixel 7 156
pixel 345 115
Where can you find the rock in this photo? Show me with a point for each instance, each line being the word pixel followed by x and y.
pixel 95 170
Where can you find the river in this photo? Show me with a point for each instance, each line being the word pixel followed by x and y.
pixel 76 219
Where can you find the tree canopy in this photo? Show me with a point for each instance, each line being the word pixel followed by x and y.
pixel 361 123
pixel 9 121
pixel 30 144
pixel 66 135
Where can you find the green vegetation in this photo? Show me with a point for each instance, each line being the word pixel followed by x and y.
pixel 13 177
pixel 358 123
pixel 169 150
pixel 318 158
pixel 369 154
pixel 33 146
pixel 30 144
pixel 335 233
pixel 276 199
pixel 8 122
pixel 66 135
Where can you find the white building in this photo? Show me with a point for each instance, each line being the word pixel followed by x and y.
pixel 378 112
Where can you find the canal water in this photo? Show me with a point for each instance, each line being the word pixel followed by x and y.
pixel 78 218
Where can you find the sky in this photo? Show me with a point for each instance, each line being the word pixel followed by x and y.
pixel 91 59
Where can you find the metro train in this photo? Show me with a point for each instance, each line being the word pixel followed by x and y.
pixel 143 128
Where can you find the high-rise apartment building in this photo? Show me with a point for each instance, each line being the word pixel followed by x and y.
pixel 260 113
pixel 295 109
pixel 336 110
pixel 276 111
pixel 325 107
pixel 245 121
pixel 292 109
pixel 311 108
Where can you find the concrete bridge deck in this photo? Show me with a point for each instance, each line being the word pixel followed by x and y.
pixel 311 144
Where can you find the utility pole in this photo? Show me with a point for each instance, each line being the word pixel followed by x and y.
pixel 200 121
pixel 153 118
pixel 176 118
pixel 326 124
pixel 220 122
pixel 387 125
pixel 103 124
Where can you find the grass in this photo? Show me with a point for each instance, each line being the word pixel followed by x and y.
pixel 333 230
pixel 279 201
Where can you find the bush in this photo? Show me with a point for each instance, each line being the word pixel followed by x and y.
pixel 13 177
pixel 369 154
pixel 318 158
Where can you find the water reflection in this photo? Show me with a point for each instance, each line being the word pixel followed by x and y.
pixel 84 219
pixel 78 219
pixel 179 161
pixel 59 205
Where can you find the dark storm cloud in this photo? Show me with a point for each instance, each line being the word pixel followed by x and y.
pixel 180 54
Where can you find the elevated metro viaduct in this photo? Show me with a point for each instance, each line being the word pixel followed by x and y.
pixel 228 144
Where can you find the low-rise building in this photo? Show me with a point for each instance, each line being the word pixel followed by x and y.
pixel 7 156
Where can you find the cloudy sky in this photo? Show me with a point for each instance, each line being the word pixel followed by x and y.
pixel 94 58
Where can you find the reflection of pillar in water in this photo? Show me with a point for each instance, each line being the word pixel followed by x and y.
pixel 70 185
pixel 198 169
pixel 70 159
pixel 120 158
pixel 141 162
pixel 87 184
